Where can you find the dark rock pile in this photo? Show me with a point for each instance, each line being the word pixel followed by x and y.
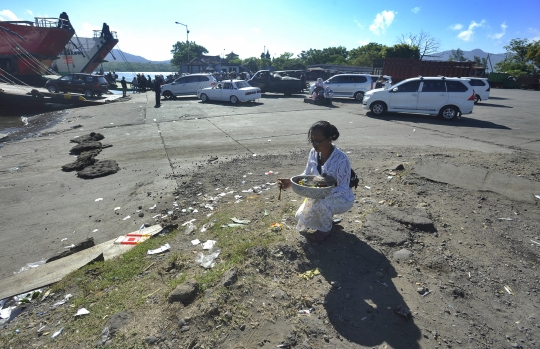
pixel 86 165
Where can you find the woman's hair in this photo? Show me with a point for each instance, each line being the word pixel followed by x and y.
pixel 328 130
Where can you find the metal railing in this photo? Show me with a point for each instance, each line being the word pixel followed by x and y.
pixel 97 34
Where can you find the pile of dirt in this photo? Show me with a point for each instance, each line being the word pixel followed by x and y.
pixel 86 165
pixel 415 263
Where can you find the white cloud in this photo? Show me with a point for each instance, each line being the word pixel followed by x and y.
pixel 363 42
pixel 30 13
pixel 86 30
pixel 534 32
pixel 457 26
pixel 501 34
pixel 256 30
pixel 467 35
pixel 382 21
pixel 415 10
pixel 360 25
pixel 7 15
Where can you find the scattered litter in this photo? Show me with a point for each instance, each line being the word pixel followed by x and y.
pixel 426 293
pixel 538 243
pixel 509 290
pixel 98 199
pixel 537 196
pixel 156 216
pixel 209 244
pixel 269 173
pixel 64 239
pixel 82 311
pixel 95 230
pixel 30 266
pixel 170 212
pixel 276 227
pixel 117 208
pixel 382 283
pixel 57 333
pixel 238 197
pixel 390 177
pixel 506 219
pixel 160 250
pixel 362 319
pixel 189 222
pixel 305 311
pixel 207 261
pixel 265 212
pixel 240 221
pixel 70 246
pixel 142 227
pixel 195 242
pixel 126 218
pixel 310 274
pixel 368 188
pixel 207 226
pixel 63 301
pixel 151 208
pixel 233 225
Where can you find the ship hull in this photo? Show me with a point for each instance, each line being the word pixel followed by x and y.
pixel 42 43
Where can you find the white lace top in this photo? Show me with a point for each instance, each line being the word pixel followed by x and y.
pixel 338 166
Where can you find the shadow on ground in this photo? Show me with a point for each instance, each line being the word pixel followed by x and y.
pixel 436 120
pixel 363 308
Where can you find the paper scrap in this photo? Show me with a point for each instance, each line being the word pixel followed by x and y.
pixel 160 250
pixel 367 187
pixel 209 244
pixel 126 218
pixel 189 222
pixel 151 208
pixel 240 221
pixel 310 274
pixel 117 208
pixel 98 199
pixel 195 242
pixel 82 311
pixel 57 333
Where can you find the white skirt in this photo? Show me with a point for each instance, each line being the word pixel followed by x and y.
pixel 317 213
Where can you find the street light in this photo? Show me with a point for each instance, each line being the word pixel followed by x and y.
pixel 187 39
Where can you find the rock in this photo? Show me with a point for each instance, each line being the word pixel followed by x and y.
pixel 402 255
pixel 151 340
pixel 79 148
pixel 84 160
pixel 184 329
pixel 185 292
pixel 116 321
pixel 380 228
pixel 99 169
pixel 402 311
pixel 77 248
pixel 414 217
pixel 230 277
pixel 141 214
pixel 181 323
pixel 399 167
pixel 242 327
pixel 92 137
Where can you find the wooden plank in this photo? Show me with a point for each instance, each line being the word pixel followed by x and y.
pixel 55 271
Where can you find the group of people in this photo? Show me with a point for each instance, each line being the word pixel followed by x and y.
pixel 220 76
pixel 141 83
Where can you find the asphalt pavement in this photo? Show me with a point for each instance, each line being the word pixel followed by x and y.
pixel 41 205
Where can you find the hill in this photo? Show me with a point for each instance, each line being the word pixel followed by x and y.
pixel 494 57
pixel 115 53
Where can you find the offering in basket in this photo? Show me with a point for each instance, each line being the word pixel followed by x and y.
pixel 313 187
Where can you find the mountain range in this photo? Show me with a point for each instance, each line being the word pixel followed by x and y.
pixel 441 56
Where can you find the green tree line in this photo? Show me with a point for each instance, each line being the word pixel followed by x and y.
pixel 139 67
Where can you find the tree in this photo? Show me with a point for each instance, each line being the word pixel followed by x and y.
pixel 518 48
pixel 481 61
pixel 457 55
pixel 517 62
pixel 180 52
pixel 401 51
pixel 533 54
pixel 426 43
pixel 364 55
pixel 252 63
pixel 329 55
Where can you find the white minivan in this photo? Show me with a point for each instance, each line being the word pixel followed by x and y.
pixel 481 88
pixel 348 85
pixel 447 97
pixel 187 85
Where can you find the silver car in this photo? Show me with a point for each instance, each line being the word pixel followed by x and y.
pixel 348 85
pixel 187 85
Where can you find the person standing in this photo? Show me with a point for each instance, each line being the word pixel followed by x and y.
pixel 303 79
pixel 134 84
pixel 157 90
pixel 124 86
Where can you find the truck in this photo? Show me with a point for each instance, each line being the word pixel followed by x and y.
pixel 502 80
pixel 269 81
pixel 402 68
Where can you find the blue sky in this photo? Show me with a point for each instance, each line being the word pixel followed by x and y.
pixel 148 29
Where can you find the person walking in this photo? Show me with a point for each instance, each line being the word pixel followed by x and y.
pixel 157 90
pixel 124 86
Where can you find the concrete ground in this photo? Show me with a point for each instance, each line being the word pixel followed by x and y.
pixel 41 205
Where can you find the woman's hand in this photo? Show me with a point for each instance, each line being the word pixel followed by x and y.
pixel 284 183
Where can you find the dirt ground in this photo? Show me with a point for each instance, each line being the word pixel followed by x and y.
pixel 416 263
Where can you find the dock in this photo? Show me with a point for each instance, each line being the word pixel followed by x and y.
pixel 27 94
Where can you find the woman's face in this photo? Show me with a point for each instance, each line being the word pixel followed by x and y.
pixel 319 141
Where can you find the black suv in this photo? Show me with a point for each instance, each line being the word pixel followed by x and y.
pixel 87 84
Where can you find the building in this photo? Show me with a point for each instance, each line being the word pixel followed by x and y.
pixel 210 64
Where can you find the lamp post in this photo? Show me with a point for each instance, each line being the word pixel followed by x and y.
pixel 187 39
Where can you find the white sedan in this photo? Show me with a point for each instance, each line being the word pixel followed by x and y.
pixel 230 90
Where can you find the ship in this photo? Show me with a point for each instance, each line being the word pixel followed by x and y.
pixel 29 48
pixel 84 55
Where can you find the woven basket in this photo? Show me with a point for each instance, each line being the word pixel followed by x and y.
pixel 309 192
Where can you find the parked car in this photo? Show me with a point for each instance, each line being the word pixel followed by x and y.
pixel 230 90
pixel 387 81
pixel 88 84
pixel 187 85
pixel 348 85
pixel 481 88
pixel 269 81
pixel 447 97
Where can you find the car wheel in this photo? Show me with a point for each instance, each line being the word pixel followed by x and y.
pixel 88 93
pixel 204 98
pixel 378 108
pixel 359 96
pixel 287 92
pixel 168 95
pixel 449 112
pixel 476 99
pixel 52 89
pixel 234 100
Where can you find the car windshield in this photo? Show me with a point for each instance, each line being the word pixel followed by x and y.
pixel 242 84
pixel 101 80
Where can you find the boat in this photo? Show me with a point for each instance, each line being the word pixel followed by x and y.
pixel 29 48
pixel 84 55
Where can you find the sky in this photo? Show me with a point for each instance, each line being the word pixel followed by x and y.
pixel 247 28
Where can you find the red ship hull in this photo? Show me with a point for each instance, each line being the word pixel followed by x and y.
pixel 44 43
